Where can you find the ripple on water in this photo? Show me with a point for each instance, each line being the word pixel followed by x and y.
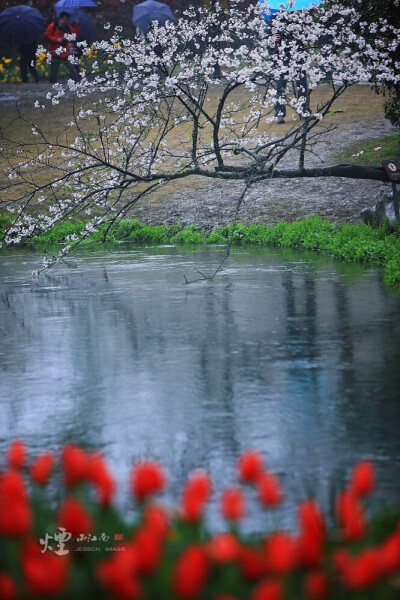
pixel 285 352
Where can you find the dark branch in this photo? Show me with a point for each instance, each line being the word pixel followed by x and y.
pixel 348 170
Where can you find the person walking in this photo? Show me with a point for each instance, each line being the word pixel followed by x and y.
pixel 27 61
pixel 301 84
pixel 60 47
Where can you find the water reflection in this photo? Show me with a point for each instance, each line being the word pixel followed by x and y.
pixel 292 353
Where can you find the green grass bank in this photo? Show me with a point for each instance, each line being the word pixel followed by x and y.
pixel 361 243
pixel 372 151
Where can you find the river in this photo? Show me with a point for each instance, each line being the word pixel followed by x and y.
pixel 292 353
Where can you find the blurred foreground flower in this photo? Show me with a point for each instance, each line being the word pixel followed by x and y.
pixel 80 547
pixel 148 478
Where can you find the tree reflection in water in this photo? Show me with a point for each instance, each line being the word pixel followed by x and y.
pixel 291 353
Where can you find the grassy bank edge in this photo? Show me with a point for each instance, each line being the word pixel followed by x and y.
pixel 361 243
pixel 371 151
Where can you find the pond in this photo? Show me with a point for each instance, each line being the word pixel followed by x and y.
pixel 292 353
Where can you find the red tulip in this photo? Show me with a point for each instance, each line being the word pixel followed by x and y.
pixel 16 454
pixel 195 495
pixel 12 486
pixel 224 548
pixel 252 563
pixel 74 517
pixel 45 574
pixel 269 490
pixel 362 478
pixel 362 571
pixel 8 589
pixel 268 590
pixel 281 553
pixel 156 520
pixel 149 551
pixel 42 467
pixel 75 465
pixel 15 510
pixel 249 466
pixel 117 576
pixel 312 535
pixel 350 516
pixel 316 585
pixel 389 555
pixel 191 572
pixel 148 478
pixel 233 504
pixel 100 476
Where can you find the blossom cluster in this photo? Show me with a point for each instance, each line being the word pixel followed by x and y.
pixel 169 552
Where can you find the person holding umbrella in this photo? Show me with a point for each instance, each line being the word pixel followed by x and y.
pixel 145 13
pixel 87 26
pixel 148 12
pixel 60 47
pixel 269 9
pixel 27 61
pixel 20 26
pixel 86 34
pixel 301 86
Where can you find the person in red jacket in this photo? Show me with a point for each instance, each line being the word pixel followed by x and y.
pixel 59 47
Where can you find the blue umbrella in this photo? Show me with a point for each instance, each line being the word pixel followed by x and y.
pixel 73 3
pixel 270 7
pixel 20 25
pixel 88 27
pixel 148 11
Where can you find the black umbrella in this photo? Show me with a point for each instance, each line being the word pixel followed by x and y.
pixel 20 25
pixel 150 10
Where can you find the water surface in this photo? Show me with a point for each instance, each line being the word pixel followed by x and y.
pixel 292 353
